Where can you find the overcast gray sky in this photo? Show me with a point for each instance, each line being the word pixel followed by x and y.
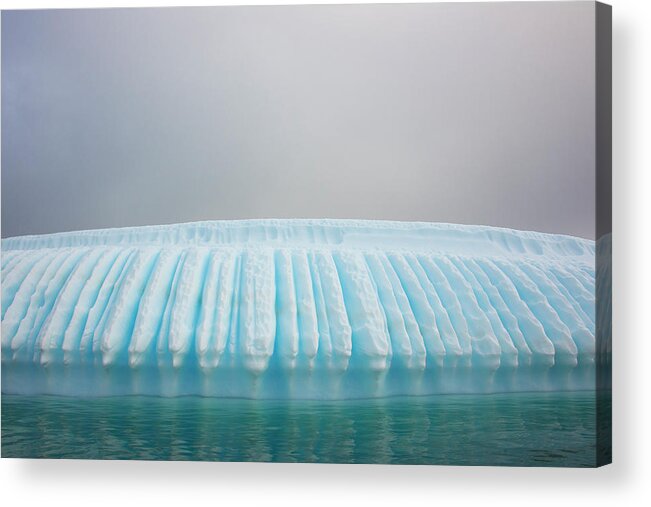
pixel 465 113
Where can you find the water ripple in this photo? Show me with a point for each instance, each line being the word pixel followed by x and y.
pixel 543 429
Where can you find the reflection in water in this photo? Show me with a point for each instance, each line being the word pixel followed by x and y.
pixel 543 429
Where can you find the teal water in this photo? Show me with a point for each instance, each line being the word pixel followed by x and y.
pixel 537 429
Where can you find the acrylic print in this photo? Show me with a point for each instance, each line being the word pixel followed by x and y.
pixel 333 234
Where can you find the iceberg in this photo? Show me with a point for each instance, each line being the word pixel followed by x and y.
pixel 312 309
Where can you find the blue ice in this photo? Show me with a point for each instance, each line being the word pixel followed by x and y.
pixel 319 309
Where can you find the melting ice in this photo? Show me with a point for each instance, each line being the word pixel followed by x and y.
pixel 298 308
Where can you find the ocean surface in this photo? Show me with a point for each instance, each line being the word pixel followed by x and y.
pixel 526 429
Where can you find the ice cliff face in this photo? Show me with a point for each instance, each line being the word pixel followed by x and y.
pixel 298 308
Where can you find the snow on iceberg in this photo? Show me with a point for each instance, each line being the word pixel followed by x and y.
pixel 297 308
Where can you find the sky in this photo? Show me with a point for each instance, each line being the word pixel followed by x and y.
pixel 462 113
